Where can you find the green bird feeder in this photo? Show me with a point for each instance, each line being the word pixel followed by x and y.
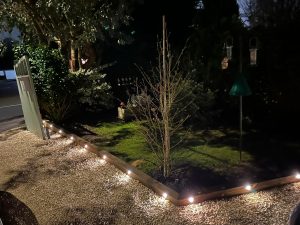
pixel 240 87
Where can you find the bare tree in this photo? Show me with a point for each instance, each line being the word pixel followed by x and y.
pixel 162 102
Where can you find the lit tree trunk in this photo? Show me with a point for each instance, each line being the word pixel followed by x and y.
pixel 73 57
pixel 79 59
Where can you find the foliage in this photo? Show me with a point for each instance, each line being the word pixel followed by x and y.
pixel 53 86
pixel 276 78
pixel 2 48
pixel 202 110
pixel 269 13
pixel 81 21
pixel 214 22
pixel 93 92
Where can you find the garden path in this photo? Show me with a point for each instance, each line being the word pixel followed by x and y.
pixel 63 184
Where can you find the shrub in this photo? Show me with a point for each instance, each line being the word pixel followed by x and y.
pixel 54 88
pixel 93 92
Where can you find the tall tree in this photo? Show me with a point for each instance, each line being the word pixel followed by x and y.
pixel 214 21
pixel 72 23
pixel 275 23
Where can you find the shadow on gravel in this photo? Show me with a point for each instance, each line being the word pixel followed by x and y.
pixel 44 165
pixel 15 212
pixel 92 216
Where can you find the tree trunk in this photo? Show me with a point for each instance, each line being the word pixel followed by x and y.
pixel 73 57
pixel 165 114
pixel 79 59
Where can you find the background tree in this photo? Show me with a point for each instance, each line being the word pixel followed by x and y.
pixel 214 21
pixel 276 78
pixel 2 48
pixel 73 24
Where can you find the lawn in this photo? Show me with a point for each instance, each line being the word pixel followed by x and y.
pixel 204 155
pixel 125 140
pixel 207 160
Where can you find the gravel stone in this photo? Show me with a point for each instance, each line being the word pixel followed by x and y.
pixel 64 184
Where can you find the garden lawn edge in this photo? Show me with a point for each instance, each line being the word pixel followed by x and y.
pixel 160 188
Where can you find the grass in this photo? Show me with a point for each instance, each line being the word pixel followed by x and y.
pixel 200 149
pixel 207 160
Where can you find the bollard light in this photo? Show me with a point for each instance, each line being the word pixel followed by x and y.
pixel 191 199
pixel 248 187
pixel 165 195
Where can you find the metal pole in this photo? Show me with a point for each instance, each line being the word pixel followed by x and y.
pixel 241 98
pixel 241 126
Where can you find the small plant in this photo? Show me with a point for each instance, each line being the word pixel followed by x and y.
pixel 93 92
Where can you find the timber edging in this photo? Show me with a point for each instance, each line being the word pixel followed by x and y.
pixel 162 189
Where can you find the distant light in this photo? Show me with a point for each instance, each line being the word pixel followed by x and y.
pixel 128 172
pixel 297 176
pixel 104 157
pixel 86 146
pixel 191 199
pixel 51 126
pixel 165 195
pixel 248 187
pixel 44 121
pixel 60 131
pixel 72 138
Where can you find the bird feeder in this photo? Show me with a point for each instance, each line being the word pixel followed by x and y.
pixel 227 53
pixel 229 45
pixel 253 51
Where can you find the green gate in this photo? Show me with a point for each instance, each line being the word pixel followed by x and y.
pixel 28 98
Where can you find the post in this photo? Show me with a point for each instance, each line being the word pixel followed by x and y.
pixel 241 98
pixel 241 126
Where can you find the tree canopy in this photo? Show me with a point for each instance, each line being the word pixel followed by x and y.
pixel 77 20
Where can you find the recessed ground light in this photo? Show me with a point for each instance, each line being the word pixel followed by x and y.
pixel 72 138
pixel 104 157
pixel 248 187
pixel 128 172
pixel 86 146
pixel 60 131
pixel 51 126
pixel 165 195
pixel 191 199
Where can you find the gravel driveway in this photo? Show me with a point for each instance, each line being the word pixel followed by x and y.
pixel 63 184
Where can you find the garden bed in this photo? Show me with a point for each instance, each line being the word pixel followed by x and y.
pixel 207 161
